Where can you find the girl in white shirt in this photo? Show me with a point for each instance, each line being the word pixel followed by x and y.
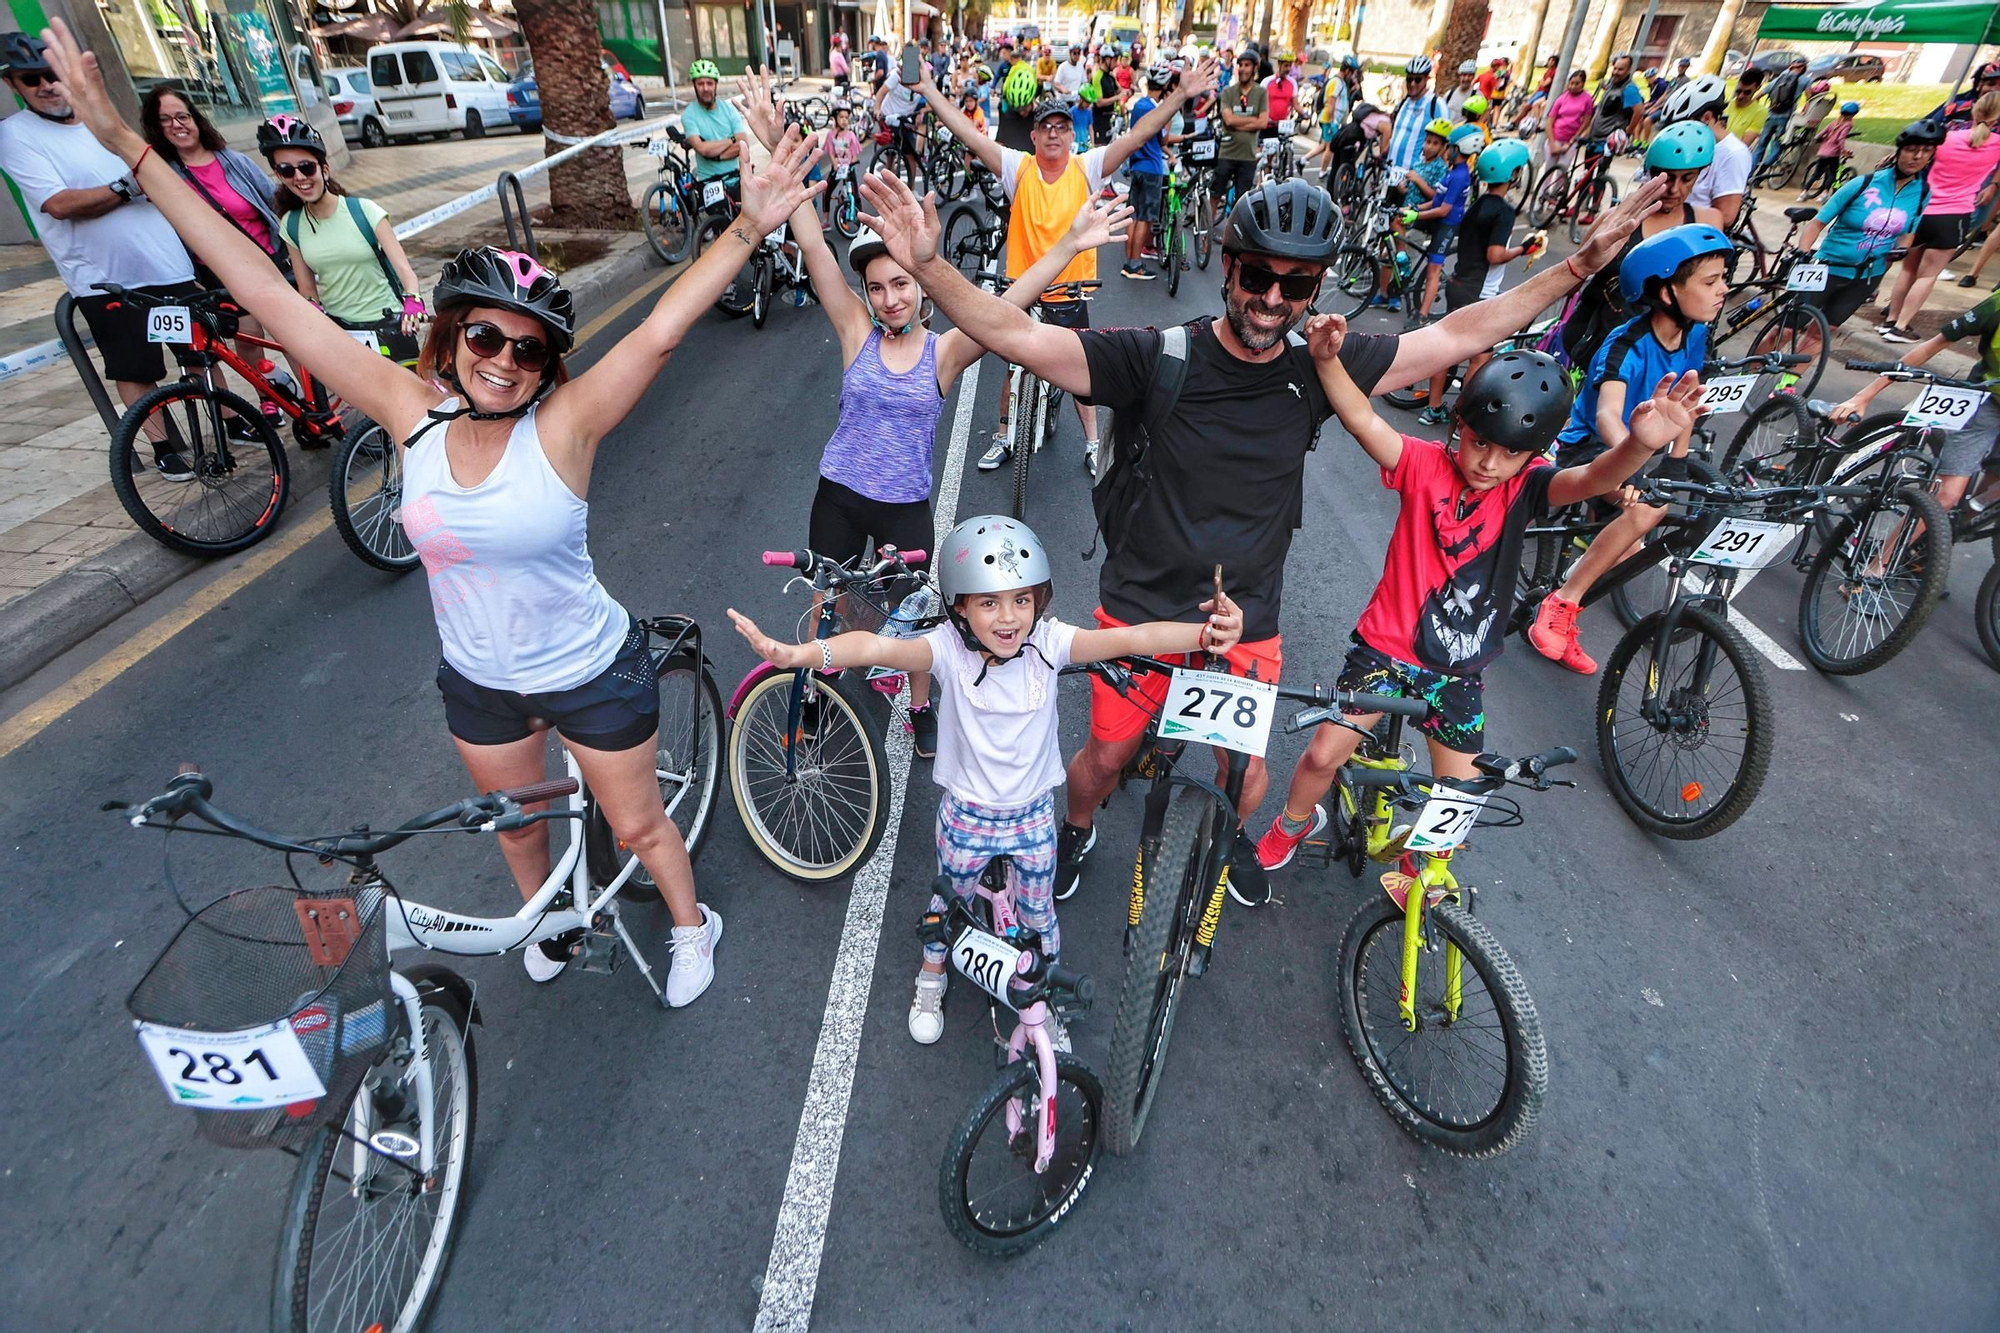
pixel 995 661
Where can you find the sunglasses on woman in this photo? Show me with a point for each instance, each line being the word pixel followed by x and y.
pixel 484 339
pixel 1257 280
pixel 307 169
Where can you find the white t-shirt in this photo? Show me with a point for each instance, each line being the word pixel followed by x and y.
pixel 1728 174
pixel 997 739
pixel 899 103
pixel 1069 77
pixel 1092 163
pixel 132 245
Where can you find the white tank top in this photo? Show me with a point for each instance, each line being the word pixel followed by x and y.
pixel 517 600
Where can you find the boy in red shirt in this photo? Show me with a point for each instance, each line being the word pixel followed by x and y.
pixel 1440 613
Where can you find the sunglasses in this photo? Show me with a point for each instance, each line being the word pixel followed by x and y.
pixel 484 339
pixel 36 80
pixel 307 169
pixel 1257 280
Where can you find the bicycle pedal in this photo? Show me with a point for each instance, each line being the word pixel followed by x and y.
pixel 597 952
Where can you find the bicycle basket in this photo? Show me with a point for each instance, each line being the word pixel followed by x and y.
pixel 316 962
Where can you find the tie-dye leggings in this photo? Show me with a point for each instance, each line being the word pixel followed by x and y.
pixel 968 836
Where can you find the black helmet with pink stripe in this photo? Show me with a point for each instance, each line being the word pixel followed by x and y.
pixel 289 132
pixel 509 280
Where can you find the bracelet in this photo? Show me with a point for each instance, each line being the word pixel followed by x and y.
pixel 137 162
pixel 826 654
pixel 1569 263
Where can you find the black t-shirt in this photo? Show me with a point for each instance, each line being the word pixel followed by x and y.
pixel 1228 470
pixel 1490 221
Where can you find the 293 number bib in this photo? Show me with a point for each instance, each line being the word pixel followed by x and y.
pixel 169 324
pixel 1446 819
pixel 1744 543
pixel 1216 708
pixel 250 1070
pixel 1943 408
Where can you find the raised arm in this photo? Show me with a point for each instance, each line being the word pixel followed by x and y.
pixel 1198 81
pixel 910 230
pixel 1656 423
pixel 856 648
pixel 986 149
pixel 1383 442
pixel 1097 223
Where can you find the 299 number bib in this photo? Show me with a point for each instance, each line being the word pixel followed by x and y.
pixel 1216 708
pixel 1446 819
pixel 1726 393
pixel 251 1070
pixel 988 961
pixel 1943 408
pixel 1744 543
pixel 712 195
pixel 168 324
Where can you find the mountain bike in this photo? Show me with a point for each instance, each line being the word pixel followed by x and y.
pixel 1034 404
pixel 1191 847
pixel 808 767
pixel 1581 193
pixel 1020 1159
pixel 1356 274
pixel 1458 1060
pixel 843 203
pixel 1277 158
pixel 671 205
pixel 1174 227
pixel 276 1016
pixel 1770 312
pixel 1199 207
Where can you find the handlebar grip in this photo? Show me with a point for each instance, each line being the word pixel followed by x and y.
pixel 1561 754
pixel 914 557
pixel 185 769
pixel 1879 367
pixel 539 791
pixel 1078 984
pixel 788 559
pixel 1383 703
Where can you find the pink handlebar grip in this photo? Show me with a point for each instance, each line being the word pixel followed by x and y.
pixel 914 557
pixel 780 558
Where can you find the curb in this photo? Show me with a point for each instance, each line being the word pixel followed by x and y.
pixel 46 622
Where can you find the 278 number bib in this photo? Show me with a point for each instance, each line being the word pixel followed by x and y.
pixel 1216 708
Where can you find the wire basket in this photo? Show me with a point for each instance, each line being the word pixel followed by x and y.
pixel 280 954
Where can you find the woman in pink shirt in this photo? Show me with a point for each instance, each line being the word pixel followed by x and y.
pixel 1568 114
pixel 1958 187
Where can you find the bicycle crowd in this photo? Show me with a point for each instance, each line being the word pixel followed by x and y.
pixel 1631 424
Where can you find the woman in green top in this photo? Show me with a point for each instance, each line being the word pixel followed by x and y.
pixel 345 254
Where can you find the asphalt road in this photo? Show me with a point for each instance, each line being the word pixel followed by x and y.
pixel 1771 1089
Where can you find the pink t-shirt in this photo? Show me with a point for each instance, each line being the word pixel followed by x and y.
pixel 844 147
pixel 1568 113
pixel 240 210
pixel 1834 137
pixel 1959 171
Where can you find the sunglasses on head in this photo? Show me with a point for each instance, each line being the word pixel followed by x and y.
pixel 485 339
pixel 307 169
pixel 1257 280
pixel 34 80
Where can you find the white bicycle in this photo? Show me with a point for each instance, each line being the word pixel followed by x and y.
pixel 275 1014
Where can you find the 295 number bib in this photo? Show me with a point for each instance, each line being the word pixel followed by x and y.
pixel 1726 393
pixel 1216 708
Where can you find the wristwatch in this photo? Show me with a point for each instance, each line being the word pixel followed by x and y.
pixel 123 188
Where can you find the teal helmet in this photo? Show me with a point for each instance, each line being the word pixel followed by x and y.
pixel 1686 145
pixel 1498 164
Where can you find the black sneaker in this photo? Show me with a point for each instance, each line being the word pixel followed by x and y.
pixel 1072 845
pixel 923 725
pixel 244 429
pixel 172 465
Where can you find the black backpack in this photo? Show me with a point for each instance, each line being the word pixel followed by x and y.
pixel 1122 476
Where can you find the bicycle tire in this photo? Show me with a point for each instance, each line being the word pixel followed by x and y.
pixel 365 493
pixel 1156 969
pixel 817 113
pixel 329 1154
pixel 1551 196
pixel 1788 328
pixel 1173 253
pixel 1868 450
pixel 668 222
pixel 1604 197
pixel 1027 417
pixel 948 169
pixel 689 742
pixel 1779 428
pixel 1986 615
pixel 1525 1081
pixel 1839 655
pixel 1204 235
pixel 243 499
pixel 1754 727
pixel 846 214
pixel 954 1172
pixel 760 289
pixel 757 745
pixel 1354 275
pixel 964 244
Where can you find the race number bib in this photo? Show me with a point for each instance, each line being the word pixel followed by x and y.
pixel 987 960
pixel 659 148
pixel 1744 543
pixel 1216 708
pixel 1288 127
pixel 251 1070
pixel 1942 408
pixel 712 195
pixel 169 324
pixel 367 338
pixel 1727 393
pixel 1446 819
pixel 1806 278
pixel 1396 175
pixel 1203 150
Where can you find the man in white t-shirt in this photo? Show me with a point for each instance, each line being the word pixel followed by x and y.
pixel 95 224
pixel 1722 183
pixel 1069 74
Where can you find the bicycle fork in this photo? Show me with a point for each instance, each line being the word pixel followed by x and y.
pixel 1435 876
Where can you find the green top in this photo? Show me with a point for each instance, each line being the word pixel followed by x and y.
pixel 352 287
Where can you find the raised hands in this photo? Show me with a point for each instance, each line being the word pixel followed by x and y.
pixel 760 112
pixel 1669 413
pixel 908 227
pixel 83 83
pixel 1201 80
pixel 1324 335
pixel 766 647
pixel 770 195
pixel 1098 223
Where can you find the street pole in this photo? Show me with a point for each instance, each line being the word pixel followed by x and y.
pixel 667 59
pixel 1572 34
pixel 1639 37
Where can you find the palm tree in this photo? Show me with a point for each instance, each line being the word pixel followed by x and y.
pixel 589 190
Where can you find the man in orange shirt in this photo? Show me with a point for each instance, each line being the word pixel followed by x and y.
pixel 1048 188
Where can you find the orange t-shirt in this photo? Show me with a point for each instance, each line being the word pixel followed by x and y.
pixel 1043 211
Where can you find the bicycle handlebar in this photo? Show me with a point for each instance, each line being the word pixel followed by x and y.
pixel 807 562
pixel 1767 360
pixel 1496 771
pixel 1896 370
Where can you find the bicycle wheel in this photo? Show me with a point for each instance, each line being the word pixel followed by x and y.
pixel 1549 198
pixel 846 213
pixel 1986 615
pixel 1156 968
pixel 365 492
pixel 817 113
pixel 1353 280
pixel 687 755
pixel 1875 582
pixel 1204 231
pixel 1793 329
pixel 1692 769
pixel 760 289
pixel 668 221
pixel 1346 183
pixel 1027 418
pixel 1174 253
pixel 949 171
pixel 964 240
pixel 1601 196
pixel 824 815
pixel 366 1240
pixel 1777 442
pixel 1470 1082
pixel 992 1198
pixel 239 484
pixel 1872 448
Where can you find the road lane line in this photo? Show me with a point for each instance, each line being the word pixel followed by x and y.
pixel 1764 643
pixel 792 1276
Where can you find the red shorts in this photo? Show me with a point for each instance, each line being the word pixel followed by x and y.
pixel 1113 717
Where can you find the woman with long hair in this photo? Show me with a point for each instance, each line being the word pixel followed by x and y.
pixel 1958 181
pixel 497 465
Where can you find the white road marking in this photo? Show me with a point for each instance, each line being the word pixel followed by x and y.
pixel 792 1275
pixel 1764 643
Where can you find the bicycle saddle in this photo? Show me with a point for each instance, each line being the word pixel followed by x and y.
pixel 1801 214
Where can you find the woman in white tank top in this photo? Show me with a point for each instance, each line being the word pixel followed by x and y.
pixel 496 478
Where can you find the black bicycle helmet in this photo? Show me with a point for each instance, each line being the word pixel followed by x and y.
pixel 508 280
pixel 289 132
pixel 1920 133
pixel 22 54
pixel 1285 220
pixel 1518 401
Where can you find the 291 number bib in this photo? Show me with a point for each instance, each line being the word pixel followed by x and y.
pixel 1744 543
pixel 1216 708
pixel 250 1070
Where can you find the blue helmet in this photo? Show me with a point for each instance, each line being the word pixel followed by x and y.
pixel 1850 108
pixel 1657 257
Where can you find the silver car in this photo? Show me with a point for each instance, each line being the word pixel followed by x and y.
pixel 354 102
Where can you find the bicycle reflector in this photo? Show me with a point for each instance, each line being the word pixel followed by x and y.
pixel 1691 792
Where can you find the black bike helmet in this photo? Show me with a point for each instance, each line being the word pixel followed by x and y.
pixel 1518 401
pixel 22 54
pixel 289 132
pixel 1919 133
pixel 1285 220
pixel 508 280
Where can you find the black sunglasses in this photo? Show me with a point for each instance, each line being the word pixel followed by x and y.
pixel 308 169
pixel 487 339
pixel 1257 280
pixel 33 80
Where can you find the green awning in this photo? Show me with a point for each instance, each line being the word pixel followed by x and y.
pixel 1959 21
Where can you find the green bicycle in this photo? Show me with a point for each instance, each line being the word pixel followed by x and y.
pixel 1175 224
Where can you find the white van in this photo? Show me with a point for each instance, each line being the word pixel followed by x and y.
pixel 437 87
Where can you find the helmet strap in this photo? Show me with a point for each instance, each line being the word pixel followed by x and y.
pixel 449 375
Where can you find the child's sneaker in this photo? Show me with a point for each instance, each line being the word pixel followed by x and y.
pixel 1554 635
pixel 1434 416
pixel 1277 847
pixel 927 1009
pixel 923 728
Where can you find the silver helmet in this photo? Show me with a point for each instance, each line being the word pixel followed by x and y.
pixel 990 553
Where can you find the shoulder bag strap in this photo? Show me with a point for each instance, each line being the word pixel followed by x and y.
pixel 368 234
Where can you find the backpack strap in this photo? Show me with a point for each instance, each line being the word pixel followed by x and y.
pixel 368 234
pixel 1169 375
pixel 291 226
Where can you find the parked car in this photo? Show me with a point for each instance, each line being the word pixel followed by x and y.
pixel 436 88
pixel 1851 66
pixel 353 100
pixel 1772 63
pixel 524 98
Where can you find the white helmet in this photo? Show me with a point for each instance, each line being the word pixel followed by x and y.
pixel 1692 96
pixel 990 553
pixel 865 246
pixel 1468 67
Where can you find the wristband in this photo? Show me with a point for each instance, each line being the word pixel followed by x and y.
pixel 413 307
pixel 1570 264
pixel 826 654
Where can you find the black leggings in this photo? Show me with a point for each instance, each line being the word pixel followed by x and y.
pixel 844 521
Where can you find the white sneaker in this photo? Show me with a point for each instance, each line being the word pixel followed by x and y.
pixel 996 456
pixel 542 969
pixel 927 1008
pixel 1090 448
pixel 694 958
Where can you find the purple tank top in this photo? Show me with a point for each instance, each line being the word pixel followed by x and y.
pixel 881 447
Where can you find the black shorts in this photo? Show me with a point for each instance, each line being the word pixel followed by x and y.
pixel 120 334
pixel 1460 293
pixel 616 709
pixel 1941 231
pixel 1842 297
pixel 1065 314
pixel 1242 173
pixel 845 522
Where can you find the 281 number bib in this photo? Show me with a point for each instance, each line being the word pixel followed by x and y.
pixel 1216 708
pixel 250 1070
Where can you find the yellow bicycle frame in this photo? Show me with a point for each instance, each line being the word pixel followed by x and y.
pixel 1384 845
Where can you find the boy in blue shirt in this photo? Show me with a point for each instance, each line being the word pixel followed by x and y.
pixel 1146 170
pixel 1446 210
pixel 1676 280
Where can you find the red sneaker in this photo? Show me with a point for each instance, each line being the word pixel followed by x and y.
pixel 1554 635
pixel 1277 847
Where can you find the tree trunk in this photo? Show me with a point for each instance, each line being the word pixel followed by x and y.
pixel 1464 31
pixel 1187 20
pixel 1296 14
pixel 589 190
pixel 1264 32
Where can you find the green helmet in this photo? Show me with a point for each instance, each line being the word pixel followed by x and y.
pixel 1686 145
pixel 1018 92
pixel 704 69
pixel 1497 165
pixel 1476 105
